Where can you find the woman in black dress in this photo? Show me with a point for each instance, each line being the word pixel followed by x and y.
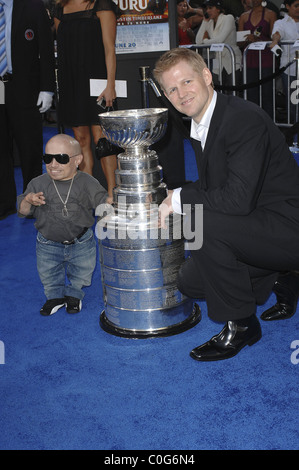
pixel 86 32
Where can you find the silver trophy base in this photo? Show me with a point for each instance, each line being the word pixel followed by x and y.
pixel 155 327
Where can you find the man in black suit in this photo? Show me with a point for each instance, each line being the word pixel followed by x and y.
pixel 27 85
pixel 249 188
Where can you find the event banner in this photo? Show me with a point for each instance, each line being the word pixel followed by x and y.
pixel 142 26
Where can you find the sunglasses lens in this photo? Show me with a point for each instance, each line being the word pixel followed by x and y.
pixel 61 158
pixel 47 158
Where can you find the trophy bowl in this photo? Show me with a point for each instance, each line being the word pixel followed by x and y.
pixel 135 127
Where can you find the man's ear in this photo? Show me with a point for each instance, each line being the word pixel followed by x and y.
pixel 207 76
pixel 79 159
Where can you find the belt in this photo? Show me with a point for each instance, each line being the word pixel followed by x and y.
pixel 7 77
pixel 66 242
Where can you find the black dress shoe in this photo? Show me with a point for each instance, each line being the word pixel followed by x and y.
pixel 286 289
pixel 229 342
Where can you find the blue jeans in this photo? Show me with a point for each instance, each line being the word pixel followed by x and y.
pixel 57 263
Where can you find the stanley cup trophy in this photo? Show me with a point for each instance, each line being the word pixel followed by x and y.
pixel 139 260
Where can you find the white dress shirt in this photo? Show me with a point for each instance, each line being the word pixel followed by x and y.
pixel 198 132
pixel 289 31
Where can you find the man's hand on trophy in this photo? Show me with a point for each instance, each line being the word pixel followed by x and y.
pixel 165 209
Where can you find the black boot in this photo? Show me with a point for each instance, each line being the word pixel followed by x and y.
pixel 234 336
pixel 286 289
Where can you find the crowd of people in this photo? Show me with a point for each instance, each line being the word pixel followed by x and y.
pixel 218 21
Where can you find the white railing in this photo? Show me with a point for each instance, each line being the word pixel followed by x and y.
pixel 209 55
pixel 218 54
pixel 290 58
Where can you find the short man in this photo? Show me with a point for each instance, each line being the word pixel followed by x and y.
pixel 249 188
pixel 63 202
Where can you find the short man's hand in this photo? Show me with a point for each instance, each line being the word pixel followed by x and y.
pixel 35 199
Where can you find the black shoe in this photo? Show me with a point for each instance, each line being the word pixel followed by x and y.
pixel 286 289
pixel 73 305
pixel 51 306
pixel 234 336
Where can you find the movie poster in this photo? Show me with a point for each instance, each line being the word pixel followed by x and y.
pixel 142 27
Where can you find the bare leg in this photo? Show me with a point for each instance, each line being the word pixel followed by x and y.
pixel 109 164
pixel 82 134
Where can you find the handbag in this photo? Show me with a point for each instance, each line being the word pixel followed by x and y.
pixel 104 148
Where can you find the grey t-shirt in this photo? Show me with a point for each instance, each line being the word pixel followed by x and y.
pixel 85 195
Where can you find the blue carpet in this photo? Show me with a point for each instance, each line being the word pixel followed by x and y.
pixel 66 384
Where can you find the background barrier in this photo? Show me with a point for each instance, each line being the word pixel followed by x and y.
pixel 281 101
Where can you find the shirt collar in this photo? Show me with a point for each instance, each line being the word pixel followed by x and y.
pixel 289 18
pixel 200 131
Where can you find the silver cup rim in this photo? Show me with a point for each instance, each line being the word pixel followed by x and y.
pixel 127 113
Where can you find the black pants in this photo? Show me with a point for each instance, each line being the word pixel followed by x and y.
pixel 170 150
pixel 24 123
pixel 240 259
pixel 7 182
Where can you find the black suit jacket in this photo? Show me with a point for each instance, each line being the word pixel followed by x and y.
pixel 246 163
pixel 32 51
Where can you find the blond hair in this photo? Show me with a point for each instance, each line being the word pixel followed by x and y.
pixel 173 57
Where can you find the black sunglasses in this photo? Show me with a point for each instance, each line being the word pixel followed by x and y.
pixel 62 158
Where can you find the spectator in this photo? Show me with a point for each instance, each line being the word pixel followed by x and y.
pixel 220 28
pixel 287 29
pixel 186 34
pixel 259 21
pixel 194 15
